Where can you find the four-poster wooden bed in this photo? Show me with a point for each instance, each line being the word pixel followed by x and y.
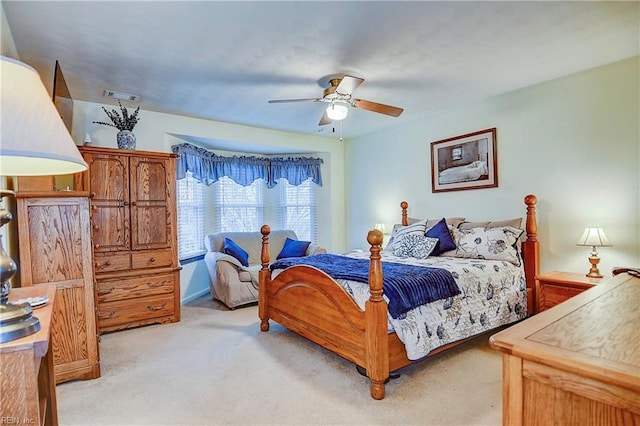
pixel 311 303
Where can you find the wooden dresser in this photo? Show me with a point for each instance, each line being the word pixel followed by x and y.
pixel 134 228
pixel 577 363
pixel 55 248
pixel 27 383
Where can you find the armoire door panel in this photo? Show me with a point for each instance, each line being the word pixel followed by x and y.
pixel 109 178
pixel 148 177
pixel 152 228
pixel 110 226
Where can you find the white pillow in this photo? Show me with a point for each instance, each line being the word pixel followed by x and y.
pixel 498 243
pixel 417 228
pixel 414 245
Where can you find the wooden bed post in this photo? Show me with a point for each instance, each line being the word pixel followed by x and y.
pixel 264 278
pixel 531 251
pixel 376 322
pixel 404 205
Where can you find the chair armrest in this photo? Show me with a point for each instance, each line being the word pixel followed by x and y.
pixel 314 249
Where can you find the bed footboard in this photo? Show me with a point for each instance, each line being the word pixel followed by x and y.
pixel 309 302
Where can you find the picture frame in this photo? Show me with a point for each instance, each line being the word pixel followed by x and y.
pixel 463 162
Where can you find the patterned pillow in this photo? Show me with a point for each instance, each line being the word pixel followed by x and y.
pixel 498 243
pixel 414 245
pixel 417 228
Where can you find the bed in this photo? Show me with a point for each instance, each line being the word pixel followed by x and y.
pixel 469 172
pixel 324 310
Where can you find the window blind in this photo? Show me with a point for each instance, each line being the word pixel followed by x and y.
pixel 190 217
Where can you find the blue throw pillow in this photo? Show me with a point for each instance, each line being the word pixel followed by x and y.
pixel 293 248
pixel 233 249
pixel 441 231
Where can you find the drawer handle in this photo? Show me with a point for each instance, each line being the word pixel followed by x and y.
pixel 151 260
pixel 154 285
pixel 156 308
pixel 107 291
pixel 132 287
pixel 111 314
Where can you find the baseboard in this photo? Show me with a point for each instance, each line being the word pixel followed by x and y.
pixel 194 296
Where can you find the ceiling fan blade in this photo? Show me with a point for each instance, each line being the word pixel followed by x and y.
pixel 376 107
pixel 280 101
pixel 348 84
pixel 325 119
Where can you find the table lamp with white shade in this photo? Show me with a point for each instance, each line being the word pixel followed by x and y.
pixel 594 237
pixel 33 142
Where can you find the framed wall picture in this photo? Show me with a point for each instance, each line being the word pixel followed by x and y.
pixel 465 162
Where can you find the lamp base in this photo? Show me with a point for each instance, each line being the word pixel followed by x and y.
pixel 17 321
pixel 594 272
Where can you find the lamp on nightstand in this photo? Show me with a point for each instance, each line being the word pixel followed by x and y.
pixel 380 227
pixel 594 237
pixel 33 142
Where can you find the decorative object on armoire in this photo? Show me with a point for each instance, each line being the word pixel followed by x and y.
pixel 124 122
pixel 87 139
pixel 594 237
pixel 35 142
pixel 134 223
pixel 126 140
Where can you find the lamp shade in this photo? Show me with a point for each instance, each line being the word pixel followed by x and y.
pixel 337 112
pixel 594 237
pixel 380 227
pixel 33 138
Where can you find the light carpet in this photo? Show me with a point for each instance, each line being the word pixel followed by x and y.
pixel 215 367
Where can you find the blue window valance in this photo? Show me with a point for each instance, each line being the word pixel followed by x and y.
pixel 207 167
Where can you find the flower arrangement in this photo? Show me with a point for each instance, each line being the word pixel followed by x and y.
pixel 121 122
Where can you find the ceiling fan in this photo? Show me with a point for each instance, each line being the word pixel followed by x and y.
pixel 338 95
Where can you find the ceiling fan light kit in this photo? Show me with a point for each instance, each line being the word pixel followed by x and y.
pixel 337 112
pixel 340 91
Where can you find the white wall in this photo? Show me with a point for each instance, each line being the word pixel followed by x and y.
pixel 156 132
pixel 573 142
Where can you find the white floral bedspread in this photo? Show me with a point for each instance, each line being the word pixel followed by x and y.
pixel 493 293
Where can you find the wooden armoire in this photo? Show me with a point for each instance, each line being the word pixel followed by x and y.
pixel 134 231
pixel 55 248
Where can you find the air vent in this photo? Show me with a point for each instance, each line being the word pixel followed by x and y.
pixel 121 95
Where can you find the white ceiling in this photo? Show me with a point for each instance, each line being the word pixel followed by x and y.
pixel 224 60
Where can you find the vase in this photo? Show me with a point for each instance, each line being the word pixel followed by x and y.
pixel 126 140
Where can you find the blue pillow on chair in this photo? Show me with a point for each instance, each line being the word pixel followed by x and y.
pixel 293 248
pixel 233 249
pixel 441 231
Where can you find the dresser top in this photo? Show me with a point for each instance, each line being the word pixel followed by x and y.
pixel 596 334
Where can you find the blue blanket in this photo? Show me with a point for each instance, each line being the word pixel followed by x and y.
pixel 406 286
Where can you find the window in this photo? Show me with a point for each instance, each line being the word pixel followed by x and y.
pixel 238 208
pixel 190 217
pixel 297 207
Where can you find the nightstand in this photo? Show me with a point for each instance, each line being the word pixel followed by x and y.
pixel 557 286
